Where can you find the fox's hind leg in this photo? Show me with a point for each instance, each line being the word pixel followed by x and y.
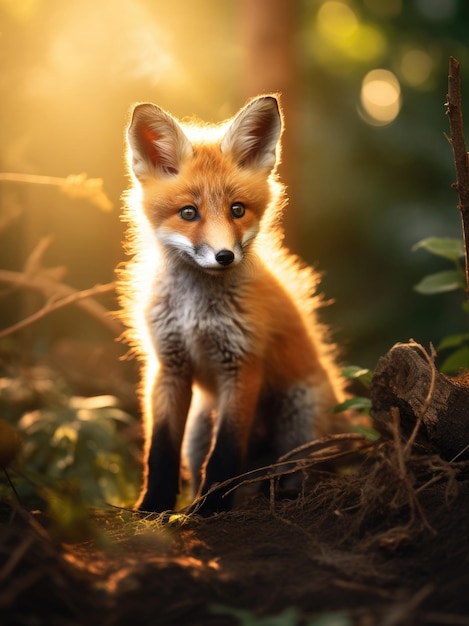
pixel 294 417
pixel 301 414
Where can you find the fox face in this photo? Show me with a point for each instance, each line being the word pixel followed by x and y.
pixel 205 200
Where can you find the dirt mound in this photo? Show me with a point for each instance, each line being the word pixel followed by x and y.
pixel 385 545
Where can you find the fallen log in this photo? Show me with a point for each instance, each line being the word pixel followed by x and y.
pixel 433 409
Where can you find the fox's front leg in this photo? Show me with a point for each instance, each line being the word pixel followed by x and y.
pixel 236 411
pixel 170 401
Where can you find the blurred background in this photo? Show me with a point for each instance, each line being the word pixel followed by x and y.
pixel 366 161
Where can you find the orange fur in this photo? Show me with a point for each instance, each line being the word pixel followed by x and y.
pixel 214 301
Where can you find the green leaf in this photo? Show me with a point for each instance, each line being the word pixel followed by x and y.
pixel 369 433
pixel 357 404
pixel 446 247
pixel 457 361
pixel 355 372
pixel 453 341
pixel 441 282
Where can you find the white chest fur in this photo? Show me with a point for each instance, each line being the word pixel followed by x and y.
pixel 198 324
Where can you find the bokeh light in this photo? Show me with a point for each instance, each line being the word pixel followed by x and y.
pixel 344 39
pixel 337 21
pixel 416 67
pixel 70 72
pixel 380 97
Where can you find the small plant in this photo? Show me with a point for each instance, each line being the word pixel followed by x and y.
pixel 65 441
pixel 359 404
pixel 356 403
pixel 445 281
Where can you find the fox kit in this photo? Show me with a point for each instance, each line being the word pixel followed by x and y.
pixel 223 316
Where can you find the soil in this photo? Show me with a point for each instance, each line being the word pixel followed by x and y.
pixel 386 543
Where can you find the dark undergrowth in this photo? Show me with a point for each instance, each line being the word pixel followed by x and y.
pixel 386 543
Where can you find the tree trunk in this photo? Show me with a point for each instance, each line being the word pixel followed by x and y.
pixel 406 380
pixel 268 35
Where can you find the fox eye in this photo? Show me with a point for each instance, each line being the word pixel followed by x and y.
pixel 238 210
pixel 189 213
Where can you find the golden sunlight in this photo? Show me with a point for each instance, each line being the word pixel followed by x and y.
pixel 336 20
pixel 21 10
pixel 343 36
pixel 380 97
pixel 143 49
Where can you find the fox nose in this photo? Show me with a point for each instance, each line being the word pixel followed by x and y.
pixel 224 257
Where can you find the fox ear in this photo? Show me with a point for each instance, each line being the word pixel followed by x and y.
pixel 254 133
pixel 158 144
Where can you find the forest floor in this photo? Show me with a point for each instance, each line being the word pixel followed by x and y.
pixel 386 544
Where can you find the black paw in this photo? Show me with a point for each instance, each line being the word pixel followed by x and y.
pixel 152 504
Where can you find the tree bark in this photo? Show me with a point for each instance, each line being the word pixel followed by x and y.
pixel 433 405
pixel 458 143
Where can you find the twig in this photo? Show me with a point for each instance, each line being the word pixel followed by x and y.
pixel 32 179
pixel 16 556
pixel 413 501
pixel 460 453
pixel 321 443
pixel 12 486
pixel 401 611
pixel 285 467
pixel 354 586
pixel 74 186
pixel 457 141
pixel 59 296
pixel 430 358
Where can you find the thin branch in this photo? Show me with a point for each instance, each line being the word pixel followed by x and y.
pixel 16 556
pixel 32 179
pixel 12 486
pixel 74 186
pixel 321 443
pixel 285 466
pixel 456 124
pixel 414 502
pixel 59 296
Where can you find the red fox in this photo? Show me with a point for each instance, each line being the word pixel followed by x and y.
pixel 223 316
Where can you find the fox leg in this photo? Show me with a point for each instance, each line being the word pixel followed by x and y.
pixel 198 438
pixel 235 417
pixel 295 411
pixel 301 412
pixel 171 397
